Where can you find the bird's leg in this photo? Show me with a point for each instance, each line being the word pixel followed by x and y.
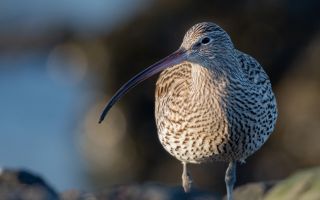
pixel 186 178
pixel 230 178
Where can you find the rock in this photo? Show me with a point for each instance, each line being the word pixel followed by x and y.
pixel 23 185
pixel 253 191
pixel 304 185
pixel 146 191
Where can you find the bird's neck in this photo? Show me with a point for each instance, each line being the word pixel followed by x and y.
pixel 206 81
pixel 191 80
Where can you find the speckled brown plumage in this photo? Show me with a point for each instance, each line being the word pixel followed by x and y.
pixel 201 117
pixel 218 106
pixel 213 102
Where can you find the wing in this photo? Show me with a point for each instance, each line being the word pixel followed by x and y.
pixel 252 69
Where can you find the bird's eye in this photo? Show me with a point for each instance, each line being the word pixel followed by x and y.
pixel 205 40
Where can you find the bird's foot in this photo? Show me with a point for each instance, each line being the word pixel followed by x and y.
pixel 230 179
pixel 186 182
pixel 186 179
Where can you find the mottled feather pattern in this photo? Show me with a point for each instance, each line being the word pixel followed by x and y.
pixel 184 118
pixel 208 113
pixel 212 102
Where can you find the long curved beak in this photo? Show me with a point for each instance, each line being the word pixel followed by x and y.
pixel 173 59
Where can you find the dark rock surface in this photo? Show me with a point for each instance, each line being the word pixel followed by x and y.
pixel 147 191
pixel 24 185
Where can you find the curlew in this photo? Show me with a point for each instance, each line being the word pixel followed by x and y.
pixel 212 102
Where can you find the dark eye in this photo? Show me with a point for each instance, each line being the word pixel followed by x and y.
pixel 205 40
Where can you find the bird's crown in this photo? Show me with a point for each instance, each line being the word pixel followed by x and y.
pixel 202 30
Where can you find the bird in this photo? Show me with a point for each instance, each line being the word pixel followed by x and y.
pixel 213 102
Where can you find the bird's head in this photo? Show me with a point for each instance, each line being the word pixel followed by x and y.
pixel 202 43
pixel 205 42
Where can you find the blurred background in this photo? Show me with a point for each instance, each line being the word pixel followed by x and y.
pixel 60 61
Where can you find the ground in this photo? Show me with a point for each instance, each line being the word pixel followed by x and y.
pixel 23 185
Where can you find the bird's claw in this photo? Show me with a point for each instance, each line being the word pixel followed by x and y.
pixel 186 182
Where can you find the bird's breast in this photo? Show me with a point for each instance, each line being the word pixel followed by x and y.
pixel 190 121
